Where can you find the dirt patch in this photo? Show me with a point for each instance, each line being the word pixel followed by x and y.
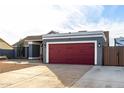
pixel 5 67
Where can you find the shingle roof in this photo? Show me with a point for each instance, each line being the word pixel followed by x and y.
pixel 38 37
pixel 33 38
pixel 5 45
pixel 29 38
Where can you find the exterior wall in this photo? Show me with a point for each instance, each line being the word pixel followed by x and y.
pixel 8 53
pixel 34 51
pixel 15 52
pixel 41 52
pixel 25 52
pixel 30 50
pixel 100 42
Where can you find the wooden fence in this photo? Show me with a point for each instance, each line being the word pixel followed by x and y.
pixel 113 56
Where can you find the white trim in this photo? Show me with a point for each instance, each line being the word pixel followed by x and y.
pixel 47 52
pixel 33 57
pixel 60 37
pixel 94 41
pixel 95 59
pixel 34 40
pixel 34 43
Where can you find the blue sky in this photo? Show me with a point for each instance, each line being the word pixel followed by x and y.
pixel 111 12
pixel 114 13
pixel 18 20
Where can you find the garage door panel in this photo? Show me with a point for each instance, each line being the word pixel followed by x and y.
pixel 74 53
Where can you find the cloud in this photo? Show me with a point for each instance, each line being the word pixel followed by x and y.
pixel 19 21
pixel 91 18
pixel 116 29
pixel 82 15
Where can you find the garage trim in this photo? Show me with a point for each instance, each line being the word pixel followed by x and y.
pixel 95 49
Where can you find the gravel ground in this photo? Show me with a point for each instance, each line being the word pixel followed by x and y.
pixel 5 67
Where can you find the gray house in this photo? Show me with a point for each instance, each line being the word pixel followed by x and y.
pixel 74 48
pixel 29 47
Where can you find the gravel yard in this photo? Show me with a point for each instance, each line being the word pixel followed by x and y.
pixel 5 67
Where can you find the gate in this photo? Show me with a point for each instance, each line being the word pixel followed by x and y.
pixel 113 56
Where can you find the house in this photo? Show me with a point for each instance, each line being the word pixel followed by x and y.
pixel 6 49
pixel 84 47
pixel 30 47
pixel 119 41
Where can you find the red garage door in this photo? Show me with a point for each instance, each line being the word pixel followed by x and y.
pixel 72 53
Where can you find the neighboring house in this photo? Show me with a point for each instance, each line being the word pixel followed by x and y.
pixel 119 41
pixel 6 49
pixel 30 47
pixel 75 48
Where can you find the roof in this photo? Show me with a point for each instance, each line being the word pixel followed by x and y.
pixel 5 45
pixel 119 41
pixel 75 34
pixel 120 38
pixel 29 38
pixel 53 32
pixel 33 38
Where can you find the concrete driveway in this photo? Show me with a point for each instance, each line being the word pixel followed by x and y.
pixel 102 77
pixel 44 75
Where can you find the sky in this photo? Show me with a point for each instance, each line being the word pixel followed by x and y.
pixel 20 19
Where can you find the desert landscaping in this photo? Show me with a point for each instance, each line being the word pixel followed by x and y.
pixel 6 65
